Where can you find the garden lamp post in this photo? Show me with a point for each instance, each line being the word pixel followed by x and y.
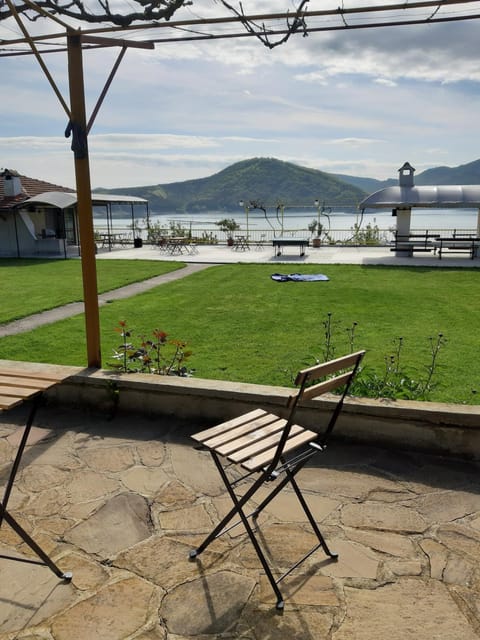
pixel 281 208
pixel 319 211
pixel 246 208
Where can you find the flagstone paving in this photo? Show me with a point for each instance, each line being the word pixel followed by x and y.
pixel 121 502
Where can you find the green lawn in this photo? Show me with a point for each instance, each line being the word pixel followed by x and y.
pixel 31 286
pixel 243 326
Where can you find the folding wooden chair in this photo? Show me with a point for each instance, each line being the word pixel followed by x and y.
pixel 275 447
pixel 18 386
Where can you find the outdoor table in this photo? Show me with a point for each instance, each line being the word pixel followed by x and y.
pixel 458 244
pixel 17 387
pixel 241 243
pixel 176 245
pixel 107 239
pixel 278 243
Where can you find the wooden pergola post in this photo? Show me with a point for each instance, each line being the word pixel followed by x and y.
pixel 77 128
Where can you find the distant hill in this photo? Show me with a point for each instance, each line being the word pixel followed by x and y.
pixel 369 185
pixel 265 180
pixel 463 174
pixel 269 181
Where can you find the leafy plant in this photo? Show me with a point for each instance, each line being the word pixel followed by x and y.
pixel 178 230
pixel 228 226
pixel 396 381
pixel 156 231
pixel 207 237
pixel 315 227
pixel 370 235
pixel 160 355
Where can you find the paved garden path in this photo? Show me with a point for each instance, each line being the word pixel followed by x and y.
pixel 121 502
pixel 75 308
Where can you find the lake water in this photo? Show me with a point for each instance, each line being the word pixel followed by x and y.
pixel 433 220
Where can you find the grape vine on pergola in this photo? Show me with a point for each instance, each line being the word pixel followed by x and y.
pixel 147 23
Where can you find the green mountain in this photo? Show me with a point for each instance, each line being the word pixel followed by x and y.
pixel 266 181
pixel 463 174
pixel 369 185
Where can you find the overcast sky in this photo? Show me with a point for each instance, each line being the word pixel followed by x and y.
pixel 356 102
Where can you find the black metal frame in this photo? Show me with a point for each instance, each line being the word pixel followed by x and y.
pixel 10 520
pixel 290 468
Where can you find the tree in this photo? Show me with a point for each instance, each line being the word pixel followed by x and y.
pixel 146 11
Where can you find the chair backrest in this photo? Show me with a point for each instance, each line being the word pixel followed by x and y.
pixel 322 378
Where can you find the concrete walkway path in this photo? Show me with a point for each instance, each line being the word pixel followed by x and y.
pixel 328 254
pixel 75 308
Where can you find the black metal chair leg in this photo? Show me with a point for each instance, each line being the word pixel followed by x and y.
pixel 10 520
pixel 18 457
pixel 280 484
pixel 237 509
pixel 310 517
pixel 217 531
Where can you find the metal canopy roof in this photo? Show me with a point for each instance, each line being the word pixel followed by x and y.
pixel 66 200
pixel 438 197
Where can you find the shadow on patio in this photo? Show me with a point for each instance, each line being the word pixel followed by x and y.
pixel 121 502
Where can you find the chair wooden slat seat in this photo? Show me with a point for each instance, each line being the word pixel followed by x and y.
pixel 255 439
pixel 25 382
pixel 232 432
pixel 269 446
pixel 266 443
pixel 9 402
pixel 262 459
pixel 16 391
pixel 33 376
pixel 203 436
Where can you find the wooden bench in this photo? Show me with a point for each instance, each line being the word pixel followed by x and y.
pixel 418 242
pixel 458 244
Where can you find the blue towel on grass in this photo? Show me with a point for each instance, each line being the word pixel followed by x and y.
pixel 299 277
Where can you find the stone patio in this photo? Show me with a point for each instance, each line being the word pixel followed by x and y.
pixel 121 502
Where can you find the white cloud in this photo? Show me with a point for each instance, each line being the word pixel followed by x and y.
pixel 356 142
pixel 387 82
pixel 359 102
pixel 147 142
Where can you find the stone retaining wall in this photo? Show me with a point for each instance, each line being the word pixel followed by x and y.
pixel 433 427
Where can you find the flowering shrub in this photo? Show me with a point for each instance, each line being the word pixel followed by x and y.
pixel 159 355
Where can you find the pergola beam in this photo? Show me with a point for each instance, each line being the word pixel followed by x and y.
pixel 341 12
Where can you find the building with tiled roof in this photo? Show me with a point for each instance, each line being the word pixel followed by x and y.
pixel 15 188
pixel 39 219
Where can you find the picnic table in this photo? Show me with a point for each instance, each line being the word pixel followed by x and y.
pixel 407 244
pixel 176 245
pixel 111 239
pixel 16 388
pixel 458 244
pixel 278 243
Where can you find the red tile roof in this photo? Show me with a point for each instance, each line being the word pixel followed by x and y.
pixel 30 187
